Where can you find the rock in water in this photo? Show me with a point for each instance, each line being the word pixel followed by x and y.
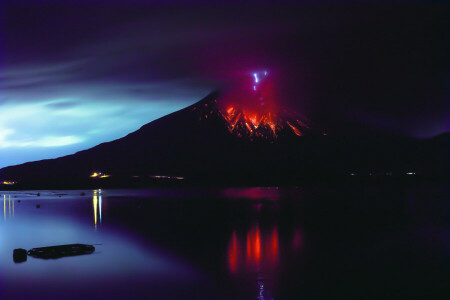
pixel 19 255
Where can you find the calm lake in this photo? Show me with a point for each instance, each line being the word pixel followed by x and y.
pixel 237 243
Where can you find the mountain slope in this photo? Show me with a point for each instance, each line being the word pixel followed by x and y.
pixel 206 142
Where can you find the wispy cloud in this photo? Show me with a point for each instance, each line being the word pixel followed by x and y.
pixel 82 115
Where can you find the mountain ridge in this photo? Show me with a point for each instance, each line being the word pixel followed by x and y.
pixel 191 144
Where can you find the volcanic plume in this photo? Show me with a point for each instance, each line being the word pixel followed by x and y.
pixel 250 110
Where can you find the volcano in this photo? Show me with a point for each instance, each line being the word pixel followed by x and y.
pixel 223 136
pixel 250 111
pixel 218 141
pixel 266 125
pixel 194 142
pixel 257 115
pixel 269 125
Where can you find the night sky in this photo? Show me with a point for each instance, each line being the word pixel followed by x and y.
pixel 76 74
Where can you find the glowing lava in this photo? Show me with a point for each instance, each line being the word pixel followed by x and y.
pixel 250 111
pixel 255 124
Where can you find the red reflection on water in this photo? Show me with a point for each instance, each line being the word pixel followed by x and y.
pixel 249 248
pixel 233 254
pixel 274 246
pixel 256 193
pixel 261 251
pixel 257 243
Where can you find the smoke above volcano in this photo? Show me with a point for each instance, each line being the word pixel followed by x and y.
pixel 253 91
pixel 251 109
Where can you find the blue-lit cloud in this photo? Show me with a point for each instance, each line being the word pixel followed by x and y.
pixel 73 76
pixel 52 110
pixel 103 84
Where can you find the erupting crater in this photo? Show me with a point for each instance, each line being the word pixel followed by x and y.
pixel 264 124
pixel 250 112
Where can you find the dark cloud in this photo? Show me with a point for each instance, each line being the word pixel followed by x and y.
pixel 384 65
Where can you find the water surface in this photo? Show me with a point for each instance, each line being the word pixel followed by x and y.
pixel 241 243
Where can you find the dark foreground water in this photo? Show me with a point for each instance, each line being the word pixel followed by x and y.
pixel 249 243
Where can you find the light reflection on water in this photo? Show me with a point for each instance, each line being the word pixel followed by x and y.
pixel 8 209
pixel 97 206
pixel 245 243
pixel 254 251
pixel 119 260
pixel 253 193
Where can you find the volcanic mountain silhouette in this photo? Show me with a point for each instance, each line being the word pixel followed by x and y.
pixel 203 142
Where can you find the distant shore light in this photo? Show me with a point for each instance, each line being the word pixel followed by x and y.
pixel 8 182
